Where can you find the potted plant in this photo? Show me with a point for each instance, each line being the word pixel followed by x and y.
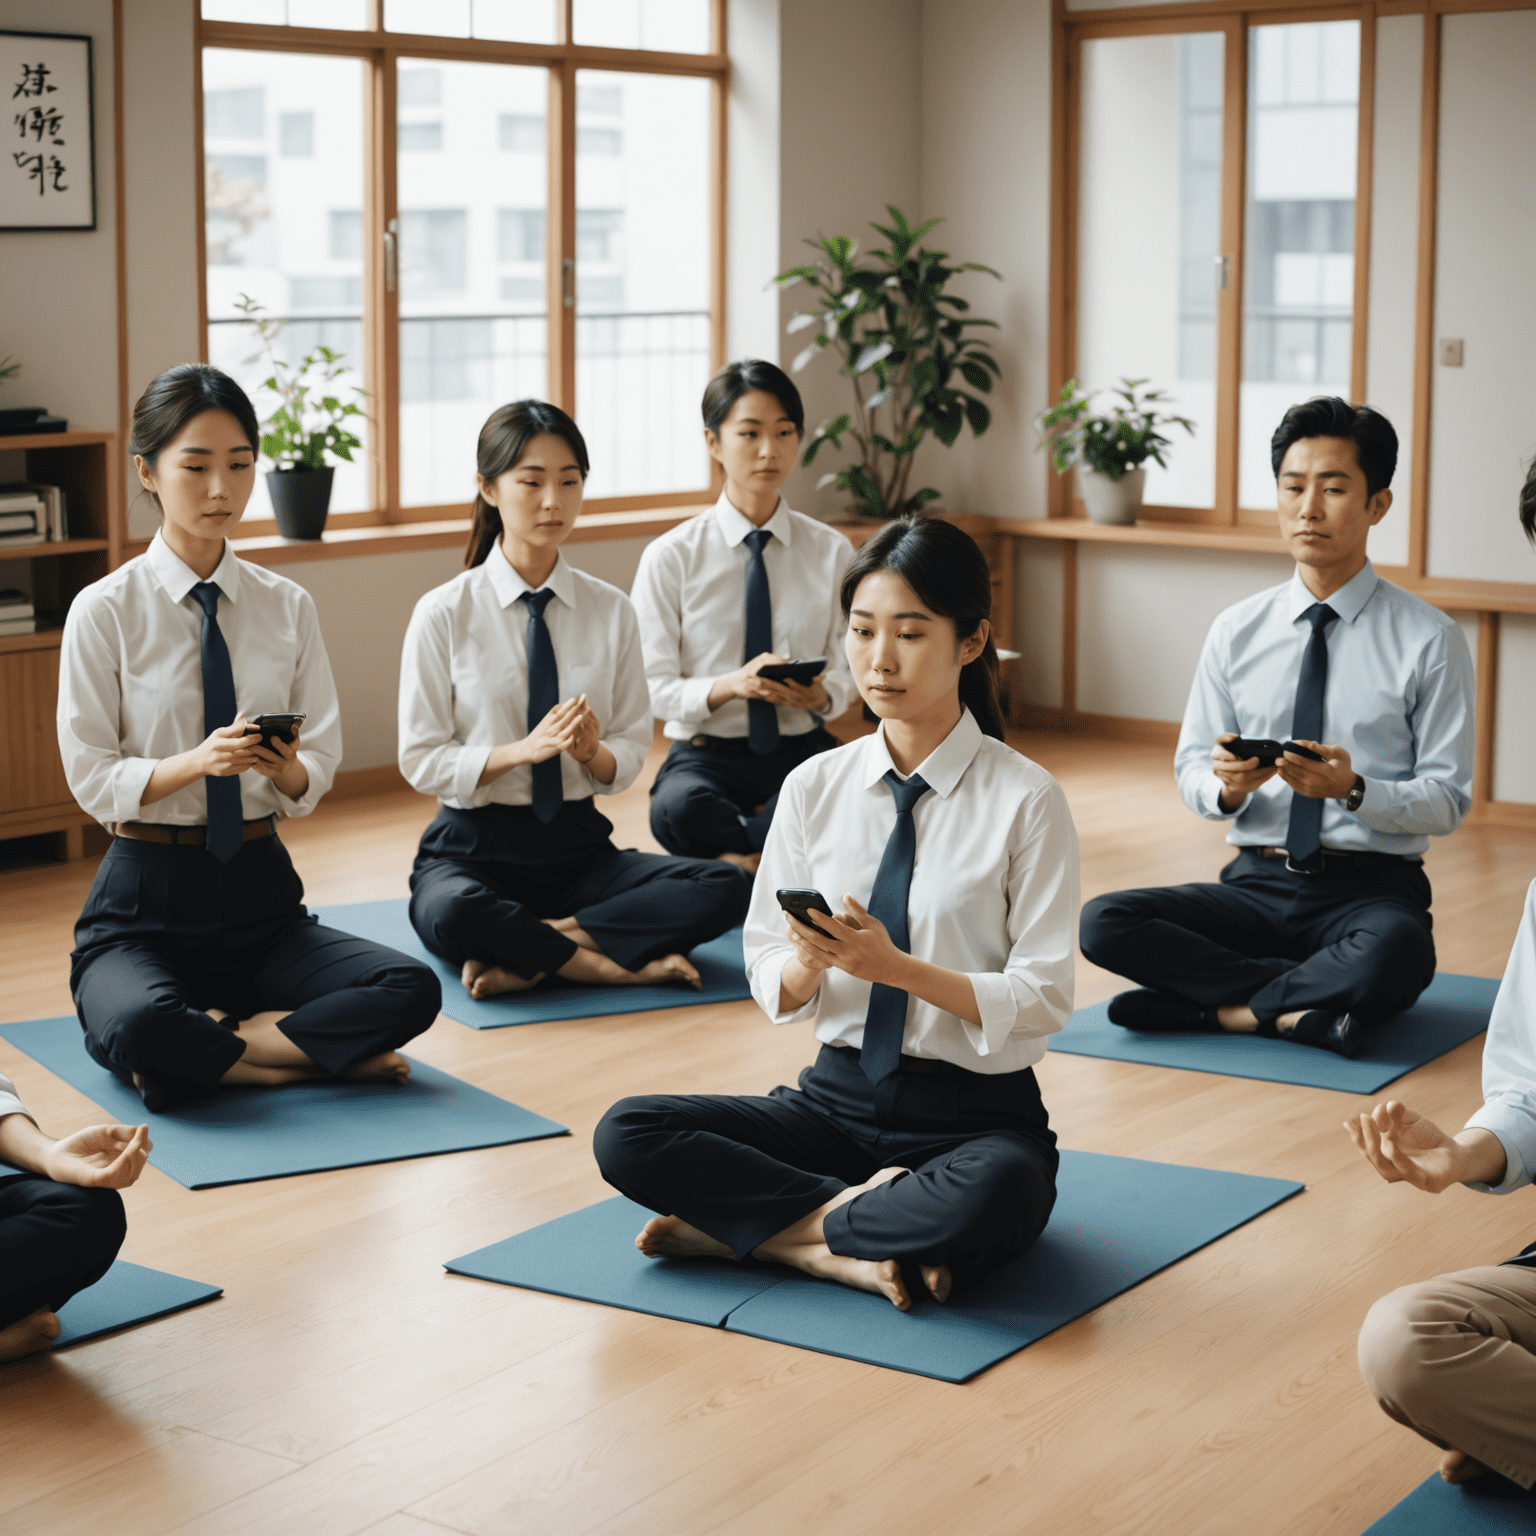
pixel 906 347
pixel 1109 450
pixel 307 425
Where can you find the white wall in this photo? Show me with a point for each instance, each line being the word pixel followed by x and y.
pixel 1514 748
pixel 1485 412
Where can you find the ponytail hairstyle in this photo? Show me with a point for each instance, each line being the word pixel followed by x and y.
pixel 1528 503
pixel 945 567
pixel 175 397
pixel 504 439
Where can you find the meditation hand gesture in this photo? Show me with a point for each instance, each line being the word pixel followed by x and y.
pixel 99 1157
pixel 555 733
pixel 586 732
pixel 1405 1147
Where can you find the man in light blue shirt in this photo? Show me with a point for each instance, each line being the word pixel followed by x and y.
pixel 1320 927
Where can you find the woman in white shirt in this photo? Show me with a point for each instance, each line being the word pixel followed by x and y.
pixel 918 1136
pixel 747 585
pixel 61 1217
pixel 195 961
pixel 523 696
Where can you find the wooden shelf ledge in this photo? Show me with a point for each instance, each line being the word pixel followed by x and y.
pixel 1262 541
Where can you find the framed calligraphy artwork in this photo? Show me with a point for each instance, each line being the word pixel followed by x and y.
pixel 48 132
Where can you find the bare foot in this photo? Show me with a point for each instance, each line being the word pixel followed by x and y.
pixel 938 1280
pixel 670 1237
pixel 803 1246
pixel 31 1336
pixel 746 861
pixel 671 968
pixel 592 965
pixel 249 1074
pixel 386 1067
pixel 1455 1467
pixel 482 980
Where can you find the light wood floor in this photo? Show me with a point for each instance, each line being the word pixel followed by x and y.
pixel 346 1384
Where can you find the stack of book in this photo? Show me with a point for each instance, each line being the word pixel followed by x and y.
pixel 31 514
pixel 17 615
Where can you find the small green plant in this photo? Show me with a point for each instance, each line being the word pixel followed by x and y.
pixel 897 330
pixel 1115 443
pixel 308 423
pixel 9 367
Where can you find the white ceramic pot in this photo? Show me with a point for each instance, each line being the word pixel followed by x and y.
pixel 1111 501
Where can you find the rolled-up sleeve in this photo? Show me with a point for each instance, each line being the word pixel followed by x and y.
pixel 1438 794
pixel 1032 995
pixel 765 939
pixel 314 696
pixel 628 734
pixel 1509 1061
pixel 657 594
pixel 108 783
pixel 432 758
pixel 1208 714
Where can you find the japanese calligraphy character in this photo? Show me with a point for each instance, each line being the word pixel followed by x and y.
pixel 47 171
pixel 41 123
pixel 34 81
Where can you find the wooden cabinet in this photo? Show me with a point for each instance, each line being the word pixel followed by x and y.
pixel 34 796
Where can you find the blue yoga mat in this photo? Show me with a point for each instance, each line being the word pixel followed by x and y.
pixel 239 1135
pixel 1117 1221
pixel 1453 1009
pixel 126 1294
pixel 1487 1506
pixel 720 964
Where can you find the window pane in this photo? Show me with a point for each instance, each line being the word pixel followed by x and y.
pixel 352 15
pixel 1146 307
pixel 642 279
pixel 283 158
pixel 472 326
pixel 672 26
pixel 1299 282
pixel 519 21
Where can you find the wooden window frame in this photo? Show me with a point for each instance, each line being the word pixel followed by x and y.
pixel 379 51
pixel 1072 29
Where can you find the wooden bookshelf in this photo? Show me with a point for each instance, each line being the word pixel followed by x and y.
pixel 34 796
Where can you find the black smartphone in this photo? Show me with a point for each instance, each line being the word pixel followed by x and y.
pixel 802 672
pixel 1268 752
pixel 800 904
pixel 276 728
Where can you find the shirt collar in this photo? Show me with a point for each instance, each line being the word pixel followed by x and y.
pixel 735 527
pixel 942 769
pixel 509 586
pixel 178 578
pixel 1346 602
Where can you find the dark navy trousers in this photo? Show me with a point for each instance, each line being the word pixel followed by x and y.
pixel 55 1240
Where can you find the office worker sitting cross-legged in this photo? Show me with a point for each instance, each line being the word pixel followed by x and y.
pixel 1320 927
pixel 522 696
pixel 746 585
pixel 918 1136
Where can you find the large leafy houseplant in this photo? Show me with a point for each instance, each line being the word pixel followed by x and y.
pixel 1112 443
pixel 907 346
pixel 309 421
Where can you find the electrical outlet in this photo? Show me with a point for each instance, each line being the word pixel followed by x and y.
pixel 1451 352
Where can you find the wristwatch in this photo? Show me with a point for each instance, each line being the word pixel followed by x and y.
pixel 1356 795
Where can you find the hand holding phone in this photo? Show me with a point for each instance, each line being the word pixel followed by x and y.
pixel 801 903
pixel 802 672
pixel 276 728
pixel 1268 752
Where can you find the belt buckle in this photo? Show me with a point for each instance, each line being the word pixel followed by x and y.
pixel 1304 869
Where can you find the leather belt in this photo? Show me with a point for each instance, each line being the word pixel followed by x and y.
pixel 161 832
pixel 925 1066
pixel 1363 858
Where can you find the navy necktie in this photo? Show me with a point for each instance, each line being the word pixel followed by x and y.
pixel 1304 835
pixel 886 1020
pixel 543 695
pixel 226 826
pixel 762 717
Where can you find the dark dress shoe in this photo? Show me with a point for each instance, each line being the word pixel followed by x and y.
pixel 1341 1033
pixel 1157 1013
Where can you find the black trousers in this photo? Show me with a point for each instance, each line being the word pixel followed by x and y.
pixel 980 1149
pixel 169 931
pixel 55 1239
pixel 484 880
pixel 704 801
pixel 1275 941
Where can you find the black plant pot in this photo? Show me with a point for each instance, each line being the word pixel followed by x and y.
pixel 301 498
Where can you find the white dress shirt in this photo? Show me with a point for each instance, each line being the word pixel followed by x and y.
pixel 9 1103
pixel 1509 1060
pixel 464 681
pixel 131 684
pixel 994 892
pixel 1399 700
pixel 691 594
